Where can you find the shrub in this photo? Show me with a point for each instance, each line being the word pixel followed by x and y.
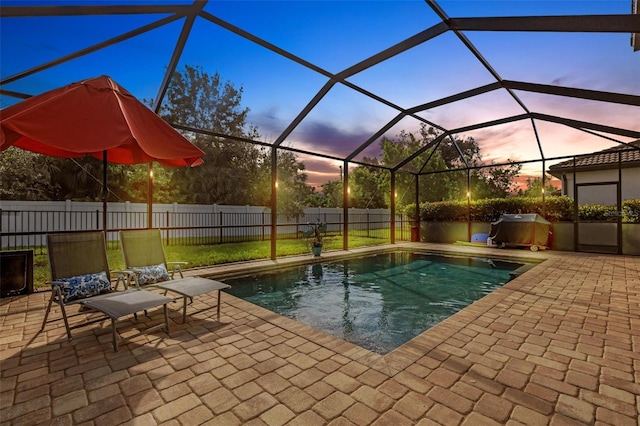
pixel 596 212
pixel 442 211
pixel 489 210
pixel 559 209
pixel 556 209
pixel 631 211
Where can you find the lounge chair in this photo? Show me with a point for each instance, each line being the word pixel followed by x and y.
pixel 80 275
pixel 144 257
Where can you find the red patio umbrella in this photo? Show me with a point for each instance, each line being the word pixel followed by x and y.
pixel 95 117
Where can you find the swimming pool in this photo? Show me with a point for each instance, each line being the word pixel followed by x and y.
pixel 378 302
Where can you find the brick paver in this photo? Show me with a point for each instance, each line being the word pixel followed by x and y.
pixel 559 345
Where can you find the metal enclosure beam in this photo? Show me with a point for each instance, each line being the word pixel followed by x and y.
pixel 345 206
pixel 28 11
pixel 392 203
pixel 274 202
pixel 595 95
pixel 570 23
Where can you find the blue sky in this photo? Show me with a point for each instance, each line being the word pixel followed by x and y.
pixel 335 35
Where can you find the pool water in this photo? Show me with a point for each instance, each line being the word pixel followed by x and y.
pixel 377 302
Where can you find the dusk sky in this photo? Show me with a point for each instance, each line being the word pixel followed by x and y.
pixel 334 35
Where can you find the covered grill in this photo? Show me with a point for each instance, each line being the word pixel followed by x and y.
pixel 528 230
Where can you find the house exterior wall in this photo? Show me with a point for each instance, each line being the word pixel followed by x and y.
pixel 605 194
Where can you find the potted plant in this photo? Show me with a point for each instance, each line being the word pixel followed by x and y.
pixel 316 239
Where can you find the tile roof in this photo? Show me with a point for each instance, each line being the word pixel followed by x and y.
pixel 604 159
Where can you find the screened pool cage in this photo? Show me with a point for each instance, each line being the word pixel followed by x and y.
pixel 534 83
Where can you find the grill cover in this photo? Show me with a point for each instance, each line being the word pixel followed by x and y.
pixel 521 229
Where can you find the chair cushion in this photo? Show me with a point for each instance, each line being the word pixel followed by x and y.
pixel 84 286
pixel 151 274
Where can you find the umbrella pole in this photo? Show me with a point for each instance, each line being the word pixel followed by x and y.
pixel 150 198
pixel 105 192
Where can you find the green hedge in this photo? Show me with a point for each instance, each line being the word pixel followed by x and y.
pixel 557 209
pixel 631 211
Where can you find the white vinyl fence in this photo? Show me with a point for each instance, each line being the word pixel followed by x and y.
pixel 26 223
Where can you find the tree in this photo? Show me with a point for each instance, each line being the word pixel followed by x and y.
pixel 134 184
pixel 368 187
pixel 25 176
pixel 534 188
pixel 495 182
pixel 433 187
pixel 469 148
pixel 196 99
pixel 36 177
pixel 81 179
pixel 333 194
pixel 315 199
pixel 436 170
pixel 234 172
pixel 293 190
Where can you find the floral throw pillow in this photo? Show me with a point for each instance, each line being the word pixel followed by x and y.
pixel 84 286
pixel 151 274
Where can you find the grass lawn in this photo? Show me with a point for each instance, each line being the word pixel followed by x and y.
pixel 207 255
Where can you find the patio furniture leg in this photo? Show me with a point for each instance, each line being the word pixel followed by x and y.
pixel 166 317
pixel 184 309
pixel 66 321
pixel 46 314
pixel 64 312
pixel 55 293
pixel 114 335
pixel 188 288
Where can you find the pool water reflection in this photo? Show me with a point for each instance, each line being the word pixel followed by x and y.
pixel 378 302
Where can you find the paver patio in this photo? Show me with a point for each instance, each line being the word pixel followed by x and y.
pixel 558 345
